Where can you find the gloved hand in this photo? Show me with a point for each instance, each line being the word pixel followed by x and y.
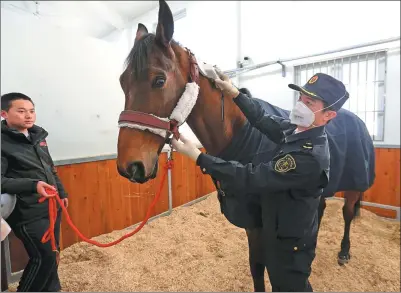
pixel 225 84
pixel 186 147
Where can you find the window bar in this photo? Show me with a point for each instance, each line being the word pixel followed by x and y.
pixel 384 54
pixel 357 87
pixel 374 99
pixel 342 69
pixel 349 82
pixel 366 86
pixel 327 66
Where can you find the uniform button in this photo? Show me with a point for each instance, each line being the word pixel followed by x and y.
pixel 295 248
pixel 204 170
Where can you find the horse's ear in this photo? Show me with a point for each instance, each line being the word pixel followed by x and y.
pixel 141 31
pixel 165 25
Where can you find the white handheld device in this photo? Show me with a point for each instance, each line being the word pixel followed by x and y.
pixel 208 70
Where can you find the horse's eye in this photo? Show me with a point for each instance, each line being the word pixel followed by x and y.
pixel 158 82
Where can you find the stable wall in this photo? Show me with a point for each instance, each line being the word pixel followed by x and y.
pixel 58 67
pixel 73 80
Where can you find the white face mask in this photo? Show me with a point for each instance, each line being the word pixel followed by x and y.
pixel 301 115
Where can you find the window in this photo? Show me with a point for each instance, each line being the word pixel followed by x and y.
pixel 364 77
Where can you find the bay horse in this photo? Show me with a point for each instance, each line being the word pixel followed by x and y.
pixel 164 88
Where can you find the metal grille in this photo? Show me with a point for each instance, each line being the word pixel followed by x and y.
pixel 364 77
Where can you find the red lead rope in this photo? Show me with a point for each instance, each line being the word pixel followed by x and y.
pixel 49 234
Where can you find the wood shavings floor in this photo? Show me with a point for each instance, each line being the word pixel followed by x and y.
pixel 197 249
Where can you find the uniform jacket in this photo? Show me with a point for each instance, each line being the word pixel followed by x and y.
pixel 24 162
pixel 290 184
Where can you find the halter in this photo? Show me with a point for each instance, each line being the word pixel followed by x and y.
pixel 165 127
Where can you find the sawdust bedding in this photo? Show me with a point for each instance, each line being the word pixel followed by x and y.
pixel 197 249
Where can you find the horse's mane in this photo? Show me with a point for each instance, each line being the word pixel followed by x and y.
pixel 137 60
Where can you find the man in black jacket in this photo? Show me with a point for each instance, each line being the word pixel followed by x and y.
pixel 292 183
pixel 27 170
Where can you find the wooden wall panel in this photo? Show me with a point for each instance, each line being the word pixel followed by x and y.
pixel 183 180
pixel 391 214
pixel 188 182
pixel 18 254
pixel 101 201
pixel 386 188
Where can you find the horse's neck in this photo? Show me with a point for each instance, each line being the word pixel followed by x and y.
pixel 205 120
pixel 213 130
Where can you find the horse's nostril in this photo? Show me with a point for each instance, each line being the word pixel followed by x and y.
pixel 154 173
pixel 136 171
pixel 122 172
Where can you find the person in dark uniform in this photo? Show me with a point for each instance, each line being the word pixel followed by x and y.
pixel 292 182
pixel 27 170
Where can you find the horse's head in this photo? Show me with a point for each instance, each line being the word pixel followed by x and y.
pixel 153 82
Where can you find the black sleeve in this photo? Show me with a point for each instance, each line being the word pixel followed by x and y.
pixel 294 170
pixel 15 185
pixel 60 188
pixel 270 125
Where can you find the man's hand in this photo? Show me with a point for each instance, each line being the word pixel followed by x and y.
pixel 41 189
pixel 225 85
pixel 186 147
pixel 65 202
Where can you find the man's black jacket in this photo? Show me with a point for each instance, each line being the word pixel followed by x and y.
pixel 24 162
pixel 290 184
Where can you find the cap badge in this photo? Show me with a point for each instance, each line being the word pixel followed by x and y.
pixel 313 79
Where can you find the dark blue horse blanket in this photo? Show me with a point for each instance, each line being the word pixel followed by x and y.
pixel 352 161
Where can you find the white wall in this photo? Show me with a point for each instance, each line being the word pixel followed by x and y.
pixel 73 80
pixel 209 29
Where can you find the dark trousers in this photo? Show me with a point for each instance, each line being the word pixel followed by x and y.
pixel 289 264
pixel 40 274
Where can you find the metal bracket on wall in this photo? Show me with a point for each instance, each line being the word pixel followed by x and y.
pixel 283 72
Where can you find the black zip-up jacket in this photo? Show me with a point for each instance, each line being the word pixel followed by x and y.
pixel 291 184
pixel 25 162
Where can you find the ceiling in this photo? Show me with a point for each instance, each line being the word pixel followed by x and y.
pixel 93 18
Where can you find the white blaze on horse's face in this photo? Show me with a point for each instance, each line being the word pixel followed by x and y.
pixel 152 84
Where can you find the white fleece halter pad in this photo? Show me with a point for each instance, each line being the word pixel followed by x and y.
pixel 180 113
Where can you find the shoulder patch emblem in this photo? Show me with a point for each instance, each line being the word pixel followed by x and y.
pixel 285 164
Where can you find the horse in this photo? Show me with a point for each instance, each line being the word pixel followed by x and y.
pixel 164 88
